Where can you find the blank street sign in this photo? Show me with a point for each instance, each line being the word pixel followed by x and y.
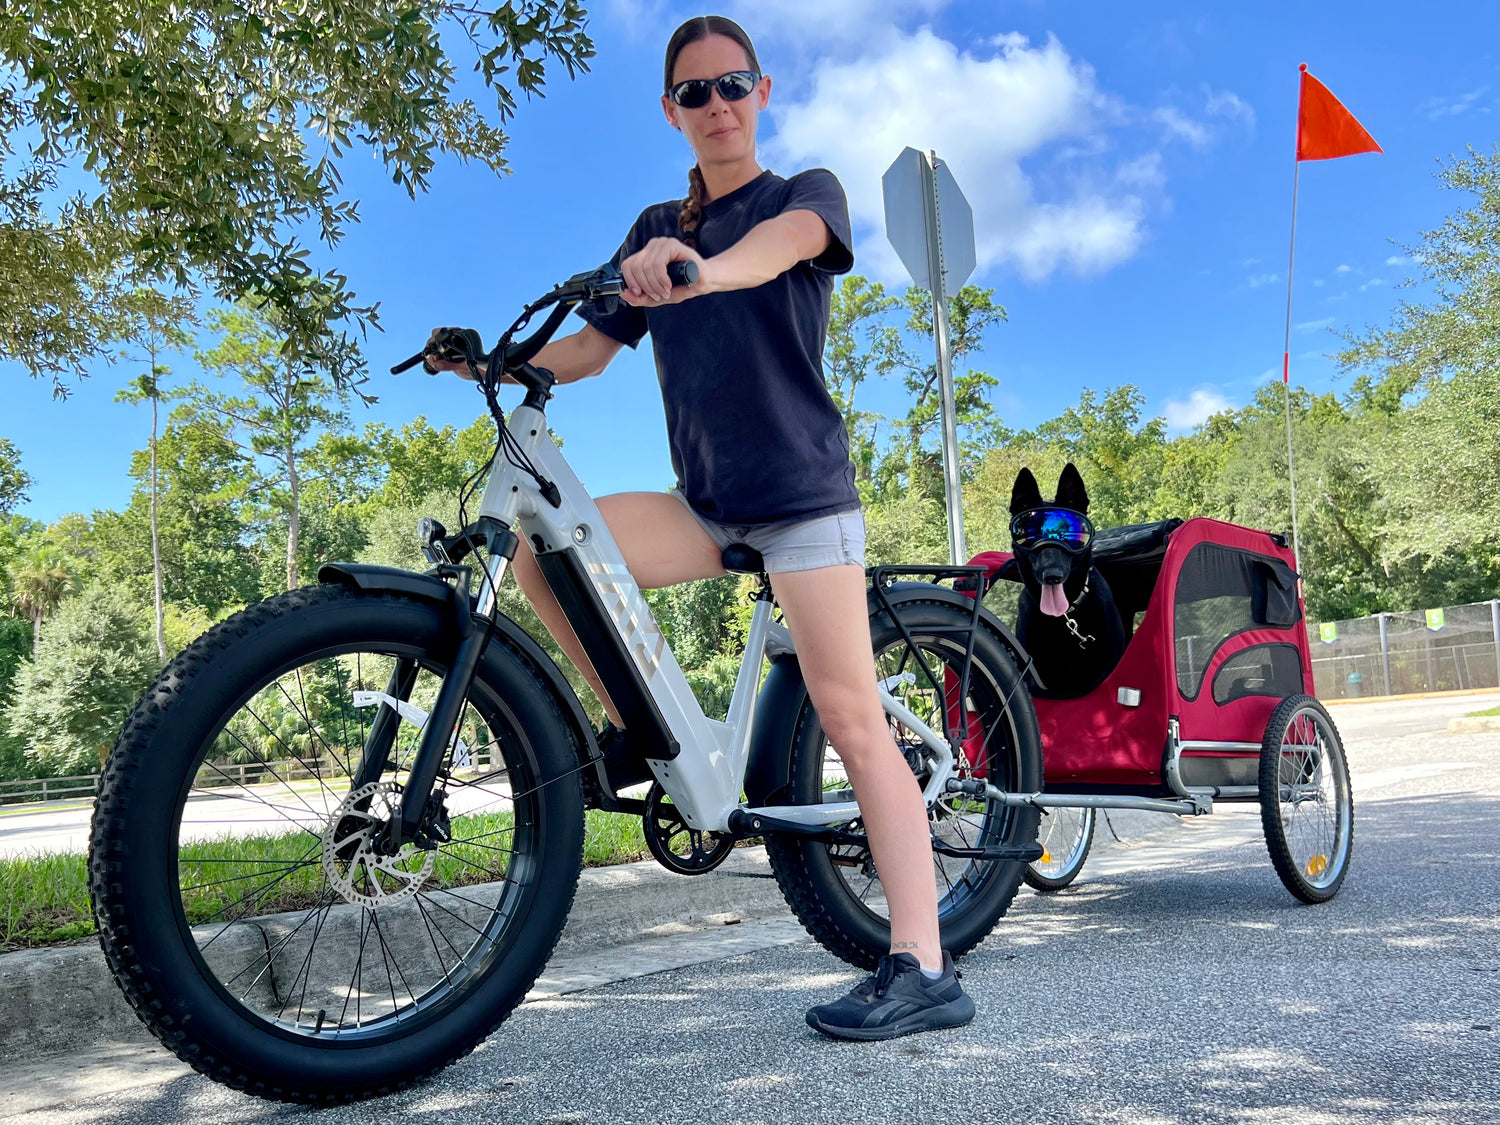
pixel 904 187
pixel 907 189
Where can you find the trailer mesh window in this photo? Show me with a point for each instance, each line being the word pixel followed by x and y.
pixel 1274 670
pixel 1222 592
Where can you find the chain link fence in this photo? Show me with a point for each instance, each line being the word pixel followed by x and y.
pixel 1456 648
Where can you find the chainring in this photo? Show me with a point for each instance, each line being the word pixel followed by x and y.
pixel 676 846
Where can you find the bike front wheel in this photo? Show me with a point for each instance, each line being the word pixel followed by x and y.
pixel 243 896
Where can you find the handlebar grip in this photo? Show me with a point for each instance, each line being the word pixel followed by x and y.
pixel 683 273
pixel 408 364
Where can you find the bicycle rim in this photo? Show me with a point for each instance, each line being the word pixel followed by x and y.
pixel 284 899
pixel 989 754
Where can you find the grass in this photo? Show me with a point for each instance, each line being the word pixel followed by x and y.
pixel 1485 713
pixel 44 898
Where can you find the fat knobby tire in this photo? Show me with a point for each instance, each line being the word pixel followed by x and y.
pixel 139 915
pixel 811 884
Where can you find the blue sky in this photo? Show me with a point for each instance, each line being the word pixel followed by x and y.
pixel 1129 167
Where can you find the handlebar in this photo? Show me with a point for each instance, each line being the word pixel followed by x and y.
pixel 601 287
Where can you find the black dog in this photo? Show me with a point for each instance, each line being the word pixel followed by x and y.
pixel 1068 620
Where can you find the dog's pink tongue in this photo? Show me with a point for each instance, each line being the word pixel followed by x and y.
pixel 1054 601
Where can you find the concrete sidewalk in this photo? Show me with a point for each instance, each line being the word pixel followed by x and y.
pixel 62 1001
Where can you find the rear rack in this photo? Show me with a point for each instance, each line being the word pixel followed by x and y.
pixel 966 579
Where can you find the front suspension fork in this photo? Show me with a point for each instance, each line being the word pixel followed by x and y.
pixel 437 735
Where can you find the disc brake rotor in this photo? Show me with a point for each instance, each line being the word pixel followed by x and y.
pixel 355 868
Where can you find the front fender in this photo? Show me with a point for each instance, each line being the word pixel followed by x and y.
pixel 429 587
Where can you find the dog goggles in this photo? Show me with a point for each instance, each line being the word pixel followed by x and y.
pixel 1052 527
pixel 696 92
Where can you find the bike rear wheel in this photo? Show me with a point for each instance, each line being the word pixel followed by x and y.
pixel 834 889
pixel 242 899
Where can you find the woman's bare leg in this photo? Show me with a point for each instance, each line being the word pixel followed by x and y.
pixel 662 544
pixel 826 612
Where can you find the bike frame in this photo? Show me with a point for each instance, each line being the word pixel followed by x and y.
pixel 701 761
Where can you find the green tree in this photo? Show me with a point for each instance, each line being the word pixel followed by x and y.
pixel 861 343
pixel 157 324
pixel 37 590
pixel 215 134
pixel 277 413
pixel 1434 375
pixel 915 459
pixel 15 482
pixel 207 562
pixel 88 670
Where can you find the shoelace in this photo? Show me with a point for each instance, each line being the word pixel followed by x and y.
pixel 885 973
pixel 880 981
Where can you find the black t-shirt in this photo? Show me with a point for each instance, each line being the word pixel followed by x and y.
pixel 755 436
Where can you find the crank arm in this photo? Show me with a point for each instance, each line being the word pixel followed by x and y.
pixel 1025 853
pixel 743 825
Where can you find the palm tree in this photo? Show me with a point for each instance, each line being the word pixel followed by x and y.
pixel 36 591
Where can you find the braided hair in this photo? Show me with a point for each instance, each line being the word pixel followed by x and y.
pixel 700 27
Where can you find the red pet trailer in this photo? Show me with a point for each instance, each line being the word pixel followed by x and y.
pixel 1212 700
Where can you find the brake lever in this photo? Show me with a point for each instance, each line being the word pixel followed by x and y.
pixel 454 345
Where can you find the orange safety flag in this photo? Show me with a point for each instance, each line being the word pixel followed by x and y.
pixel 1325 129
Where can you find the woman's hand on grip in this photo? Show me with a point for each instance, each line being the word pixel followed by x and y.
pixel 647 283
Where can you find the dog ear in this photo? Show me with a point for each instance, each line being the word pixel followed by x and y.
pixel 1025 493
pixel 1070 490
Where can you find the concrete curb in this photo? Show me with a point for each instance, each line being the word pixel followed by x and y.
pixel 63 1000
pixel 1474 724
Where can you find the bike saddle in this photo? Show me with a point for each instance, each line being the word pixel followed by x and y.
pixel 741 558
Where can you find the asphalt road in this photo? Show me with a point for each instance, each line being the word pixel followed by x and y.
pixel 63 826
pixel 1177 982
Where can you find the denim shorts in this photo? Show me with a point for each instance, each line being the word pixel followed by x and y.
pixel 807 545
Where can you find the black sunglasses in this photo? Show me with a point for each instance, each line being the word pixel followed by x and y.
pixel 695 92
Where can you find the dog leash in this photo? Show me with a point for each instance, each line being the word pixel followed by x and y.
pixel 1078 634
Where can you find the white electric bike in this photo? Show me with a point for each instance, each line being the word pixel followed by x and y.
pixel 339 836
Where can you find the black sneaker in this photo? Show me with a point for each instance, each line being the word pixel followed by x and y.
pixel 896 999
pixel 622 761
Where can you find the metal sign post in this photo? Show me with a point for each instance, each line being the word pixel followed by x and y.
pixel 931 227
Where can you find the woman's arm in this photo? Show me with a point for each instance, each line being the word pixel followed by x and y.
pixel 586 352
pixel 768 250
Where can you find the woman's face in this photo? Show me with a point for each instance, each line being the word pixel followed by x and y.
pixel 720 132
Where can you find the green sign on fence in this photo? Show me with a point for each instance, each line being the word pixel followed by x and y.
pixel 1434 619
pixel 1329 632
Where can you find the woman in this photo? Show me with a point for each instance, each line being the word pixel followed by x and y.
pixel 762 457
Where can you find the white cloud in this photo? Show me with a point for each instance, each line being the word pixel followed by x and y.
pixel 1178 126
pixel 1142 172
pixel 1226 103
pixel 1374 281
pixel 1313 325
pixel 984 112
pixel 821 24
pixel 1437 108
pixel 1397 260
pixel 1342 269
pixel 1197 408
pixel 639 19
pixel 1256 280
